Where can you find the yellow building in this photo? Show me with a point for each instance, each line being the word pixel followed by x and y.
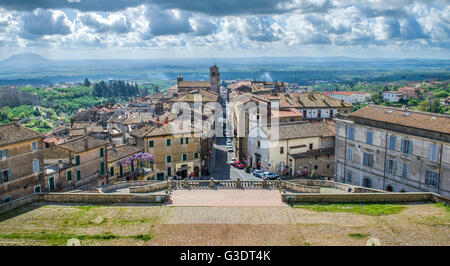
pixel 174 155
pixel 21 162
pixel 120 172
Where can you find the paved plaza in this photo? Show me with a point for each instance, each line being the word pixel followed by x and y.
pixel 226 197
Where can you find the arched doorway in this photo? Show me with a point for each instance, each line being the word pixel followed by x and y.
pixel 389 188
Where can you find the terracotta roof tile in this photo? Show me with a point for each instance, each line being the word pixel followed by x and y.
pixel 12 133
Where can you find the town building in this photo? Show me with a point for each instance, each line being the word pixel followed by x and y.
pixel 394 149
pixel 349 96
pixel 213 84
pixel 119 170
pixel 411 92
pixel 288 148
pixel 175 153
pixel 393 96
pixel 78 163
pixel 21 162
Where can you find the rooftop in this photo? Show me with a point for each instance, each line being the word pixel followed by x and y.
pixel 408 118
pixel 123 151
pixel 82 144
pixel 13 133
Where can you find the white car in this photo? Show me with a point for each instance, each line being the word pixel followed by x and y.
pixel 233 160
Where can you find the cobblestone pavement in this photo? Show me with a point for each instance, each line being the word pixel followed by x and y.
pixel 227 197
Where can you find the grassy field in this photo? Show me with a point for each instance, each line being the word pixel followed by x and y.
pixel 333 224
pixel 368 209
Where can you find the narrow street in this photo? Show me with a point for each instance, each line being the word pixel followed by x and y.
pixel 221 168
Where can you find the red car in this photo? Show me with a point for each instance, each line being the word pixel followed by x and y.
pixel 238 164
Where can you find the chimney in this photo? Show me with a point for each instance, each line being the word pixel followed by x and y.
pixel 60 164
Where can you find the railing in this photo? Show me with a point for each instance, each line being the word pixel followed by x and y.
pixel 232 184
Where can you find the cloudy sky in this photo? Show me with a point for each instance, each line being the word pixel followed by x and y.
pixel 225 28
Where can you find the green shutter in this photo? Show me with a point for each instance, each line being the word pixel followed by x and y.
pixel 196 155
pixel 151 144
pixel 77 160
pixel 69 175
pixel 120 171
pixel 168 142
pixel 132 166
pixel 101 152
pixel 187 140
pixel 78 175
pixel 181 140
pixel 184 157
pixel 112 170
pixel 169 159
pixel 102 168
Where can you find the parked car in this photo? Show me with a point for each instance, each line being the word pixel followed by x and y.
pixel 232 160
pixel 230 149
pixel 270 175
pixel 302 173
pixel 238 164
pixel 257 172
pixel 229 142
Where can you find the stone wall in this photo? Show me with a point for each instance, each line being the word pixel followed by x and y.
pixel 299 188
pixel 100 198
pixel 18 203
pixel 151 188
pixel 363 198
pixel 126 184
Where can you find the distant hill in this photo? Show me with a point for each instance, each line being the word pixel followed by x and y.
pixel 26 59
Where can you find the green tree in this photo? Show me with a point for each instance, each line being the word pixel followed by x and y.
pixel 86 83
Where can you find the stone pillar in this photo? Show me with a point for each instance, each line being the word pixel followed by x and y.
pixel 238 183
pixel 264 183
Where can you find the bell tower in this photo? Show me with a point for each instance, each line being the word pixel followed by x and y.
pixel 214 78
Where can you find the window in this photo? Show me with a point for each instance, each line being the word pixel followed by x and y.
pixel 368 159
pixel 367 182
pixel 405 170
pixel 132 165
pixel 34 146
pixel 4 154
pixel 151 144
pixel 168 142
pixel 316 167
pixel 69 175
pixel 434 152
pixel 281 150
pixel 406 146
pixel 369 137
pixel 35 166
pixel 77 160
pixel 391 166
pixel 169 159
pixel 431 178
pixel 101 152
pixel 184 157
pixel 324 143
pixel 187 140
pixel 349 176
pixel 78 175
pixel 181 140
pixel 311 146
pixel 169 171
pixel 351 133
pixel 330 143
pixel 120 171
pixel 5 176
pixel 392 142
pixel 196 155
pixel 258 144
pixel 102 168
pixel 350 154
pixel 112 170
pixel 37 189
